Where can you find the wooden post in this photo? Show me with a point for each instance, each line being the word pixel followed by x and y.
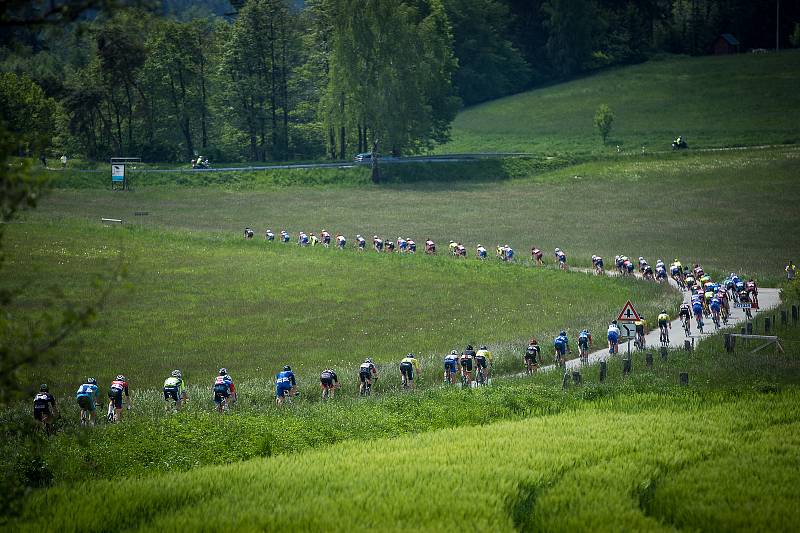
pixel 749 328
pixel 626 366
pixel 577 379
pixel 664 353
pixel 767 325
pixel 684 378
pixel 649 359
pixel 784 318
pixel 794 314
pixel 687 345
pixel 565 381
pixel 728 343
pixel 603 371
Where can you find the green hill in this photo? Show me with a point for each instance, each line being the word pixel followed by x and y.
pixel 712 101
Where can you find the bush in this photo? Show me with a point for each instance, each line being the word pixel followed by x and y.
pixel 603 120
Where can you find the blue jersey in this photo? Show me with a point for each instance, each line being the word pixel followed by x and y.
pixel 697 307
pixel 583 337
pixel 87 389
pixel 715 304
pixel 561 340
pixel 285 379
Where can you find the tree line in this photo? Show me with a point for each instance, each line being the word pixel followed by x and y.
pixel 283 79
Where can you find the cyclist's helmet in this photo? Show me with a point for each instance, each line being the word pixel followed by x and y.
pixel 176 374
pixel 120 378
pixel 43 387
pixel 563 332
pixel 287 368
pixel 664 311
pixel 223 371
pixel 453 352
pixel 368 360
pixel 409 355
pixel 469 347
pixel 484 348
pixel 558 249
pixel 91 381
pixel 614 322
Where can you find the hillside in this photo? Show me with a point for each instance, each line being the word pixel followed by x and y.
pixel 712 101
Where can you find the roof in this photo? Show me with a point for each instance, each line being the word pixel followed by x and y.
pixel 730 39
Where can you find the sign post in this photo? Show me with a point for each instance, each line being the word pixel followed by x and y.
pixel 117 176
pixel 626 319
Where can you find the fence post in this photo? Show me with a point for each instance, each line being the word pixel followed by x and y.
pixel 767 325
pixel 664 353
pixel 626 366
pixel 577 379
pixel 749 328
pixel 784 317
pixel 728 343
pixel 649 360
pixel 794 314
pixel 687 345
pixel 565 381
pixel 603 371
pixel 684 378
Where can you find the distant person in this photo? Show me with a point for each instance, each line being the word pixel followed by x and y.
pixel 269 235
pixel 613 337
pixel 175 389
pixel 87 396
pixel 532 356
pixel 44 407
pixel 361 243
pixel 326 238
pixel 408 365
pixel 481 252
pixel 412 246
pixel 341 241
pixel 118 389
pixel 451 367
pixel 285 385
pixel 224 390
pixel 248 233
pixel 64 161
pixel 329 382
pixel 536 254
pixel 791 271
pixel 43 160
pixel 366 373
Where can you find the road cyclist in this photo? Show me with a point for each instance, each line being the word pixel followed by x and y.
pixel 483 361
pixel 561 346
pixel 451 367
pixel 613 337
pixel 175 389
pixel 224 390
pixel 584 345
pixel 532 357
pixel 44 408
pixel 664 325
pixel 715 306
pixel 285 385
pixel 641 330
pixel 87 397
pixel 685 315
pixel 367 373
pixel 467 361
pixel 409 365
pixel 118 389
pixel 561 259
pixel 328 382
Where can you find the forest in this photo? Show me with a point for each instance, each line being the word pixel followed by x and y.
pixel 278 80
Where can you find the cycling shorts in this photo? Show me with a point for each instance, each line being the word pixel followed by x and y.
pixel 599 264
pixel 326 381
pixel 684 313
pixel 407 370
pixel 171 393
pixel 715 308
pixel 466 364
pixel 40 412
pixel 662 323
pixel 583 343
pixel 561 349
pixel 481 362
pixel 86 402
pixel 116 397
pixel 364 376
pixel 613 336
pixel 282 389
pixel 450 365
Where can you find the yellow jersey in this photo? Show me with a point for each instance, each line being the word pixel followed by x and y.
pixel 412 360
pixel 663 317
pixel 484 353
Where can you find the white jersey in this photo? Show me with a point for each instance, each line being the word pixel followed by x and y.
pixel 613 329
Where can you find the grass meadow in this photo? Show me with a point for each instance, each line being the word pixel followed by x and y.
pixel 728 210
pixel 712 101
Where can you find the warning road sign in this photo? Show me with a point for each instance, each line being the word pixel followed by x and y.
pixel 628 313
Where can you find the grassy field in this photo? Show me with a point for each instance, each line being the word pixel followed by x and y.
pixel 198 302
pixel 712 101
pixel 727 210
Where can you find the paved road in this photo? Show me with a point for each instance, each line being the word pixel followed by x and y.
pixel 767 299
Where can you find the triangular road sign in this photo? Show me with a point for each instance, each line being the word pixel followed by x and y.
pixel 628 313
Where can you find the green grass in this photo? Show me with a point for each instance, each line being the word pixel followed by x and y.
pixel 712 101
pixel 727 210
pixel 600 467
pixel 198 302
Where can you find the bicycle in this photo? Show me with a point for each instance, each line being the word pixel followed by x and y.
pixel 110 414
pixel 365 389
pixel 700 324
pixel 86 418
pixel 664 336
pixel 638 341
pixel 715 318
pixel 687 326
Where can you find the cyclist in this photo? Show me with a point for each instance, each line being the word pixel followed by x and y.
pixel 715 305
pixel 224 390
pixel 618 263
pixel 285 385
pixel 451 367
pixel 752 292
pixel 722 295
pixel 269 235
pixel 87 396
pixel 341 241
pixel 326 238
pixel 388 246
pixel 647 272
pixel 452 247
pixel 461 250
pixel 676 271
pixel 313 239
pixel 561 344
pixel 483 359
pixel 412 246
pixel 584 343
pixel 641 327
pixel 627 266
pixel 509 252
pixel 285 236
pixel 537 254
pixel 408 365
pixel 329 382
pixel 377 243
pixel 466 361
pixel 642 264
pixel 481 252
pixel 532 356
pixel 597 263
pixel 402 245
pixel 430 247
pixel 697 310
pixel 366 373
pixel 561 259
pixel 661 273
pixel 115 392
pixel 685 314
pixel 302 239
pixel 361 243
pixel 175 389
pixel 613 337
pixel 44 407
pixel 664 325
pixel 249 233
